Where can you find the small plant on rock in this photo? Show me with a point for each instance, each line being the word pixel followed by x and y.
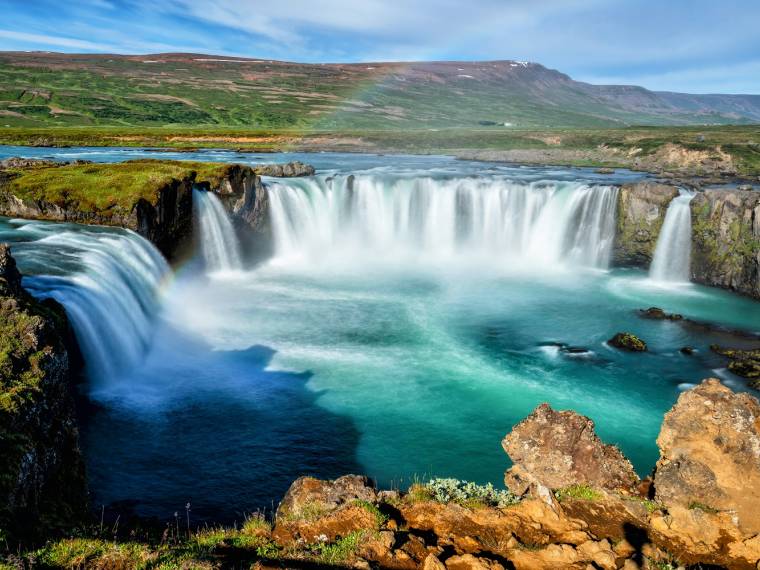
pixel 469 494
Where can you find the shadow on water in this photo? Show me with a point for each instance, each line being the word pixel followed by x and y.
pixel 228 451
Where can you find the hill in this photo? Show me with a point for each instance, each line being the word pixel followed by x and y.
pixel 41 89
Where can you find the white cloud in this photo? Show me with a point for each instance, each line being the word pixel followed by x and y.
pixel 53 41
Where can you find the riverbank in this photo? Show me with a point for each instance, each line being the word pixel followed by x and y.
pixel 724 153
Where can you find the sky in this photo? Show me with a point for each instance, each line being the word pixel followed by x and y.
pixel 694 46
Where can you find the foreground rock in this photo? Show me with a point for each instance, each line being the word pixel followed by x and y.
pixel 42 483
pixel 726 240
pixel 560 449
pixel 710 454
pixel 641 213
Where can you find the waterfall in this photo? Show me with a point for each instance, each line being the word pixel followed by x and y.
pixel 672 255
pixel 111 298
pixel 219 244
pixel 535 223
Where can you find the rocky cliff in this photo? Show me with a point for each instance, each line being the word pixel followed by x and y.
pixel 640 215
pixel 42 485
pixel 726 240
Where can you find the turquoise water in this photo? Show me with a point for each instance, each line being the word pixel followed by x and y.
pixel 392 359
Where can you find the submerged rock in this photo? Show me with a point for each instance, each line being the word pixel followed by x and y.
pixel 710 454
pixel 628 341
pixel 560 449
pixel 655 313
pixel 687 350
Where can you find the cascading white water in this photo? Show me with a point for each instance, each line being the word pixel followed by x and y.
pixel 111 299
pixel 540 223
pixel 219 244
pixel 672 255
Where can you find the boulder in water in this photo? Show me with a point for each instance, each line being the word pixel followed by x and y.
pixel 687 350
pixel 628 341
pixel 559 449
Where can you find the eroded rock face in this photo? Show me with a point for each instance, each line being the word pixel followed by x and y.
pixel 726 240
pixel 560 449
pixel 710 453
pixel 641 213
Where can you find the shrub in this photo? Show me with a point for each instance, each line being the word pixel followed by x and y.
pixel 468 493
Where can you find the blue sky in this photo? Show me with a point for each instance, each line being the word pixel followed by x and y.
pixel 696 46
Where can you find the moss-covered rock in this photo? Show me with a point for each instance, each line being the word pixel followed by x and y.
pixel 628 341
pixel 744 363
pixel 726 240
pixel 641 213
pixel 42 485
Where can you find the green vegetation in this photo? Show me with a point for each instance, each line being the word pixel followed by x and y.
pixel 380 518
pixel 696 505
pixel 339 551
pixel 467 493
pixel 103 187
pixel 207 548
pixel 579 492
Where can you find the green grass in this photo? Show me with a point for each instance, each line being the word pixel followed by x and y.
pixel 380 518
pixel 105 187
pixel 578 492
pixel 696 505
pixel 341 550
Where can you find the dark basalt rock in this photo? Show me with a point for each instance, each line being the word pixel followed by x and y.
pixel 628 341
pixel 726 240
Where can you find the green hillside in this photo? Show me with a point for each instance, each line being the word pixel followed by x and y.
pixel 49 89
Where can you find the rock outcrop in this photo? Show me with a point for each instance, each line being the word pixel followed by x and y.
pixel 42 485
pixel 726 240
pixel 710 454
pixel 560 449
pixel 640 215
pixel 287 170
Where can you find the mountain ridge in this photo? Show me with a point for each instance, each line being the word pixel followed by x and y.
pixel 55 89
